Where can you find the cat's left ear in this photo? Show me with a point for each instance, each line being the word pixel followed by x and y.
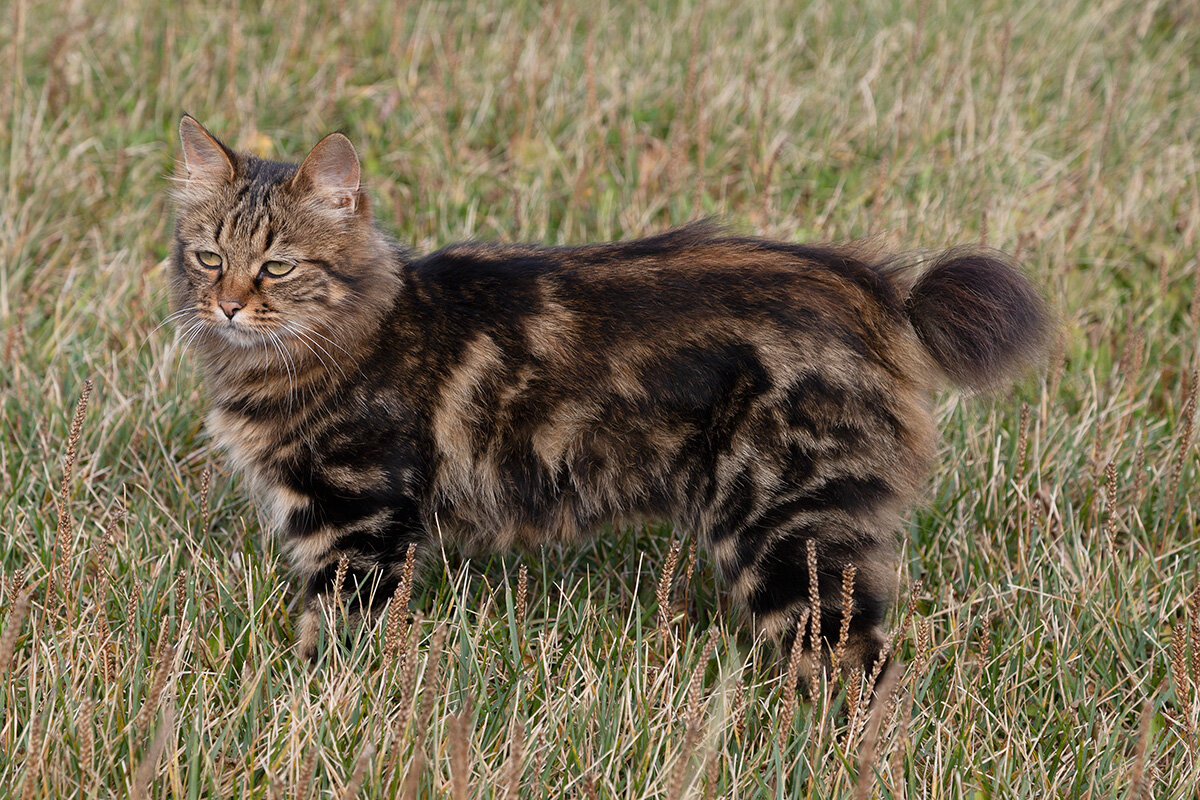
pixel 204 157
pixel 331 172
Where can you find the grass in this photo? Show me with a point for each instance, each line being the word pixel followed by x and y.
pixel 1052 637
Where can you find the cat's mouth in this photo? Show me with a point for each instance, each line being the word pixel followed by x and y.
pixel 239 334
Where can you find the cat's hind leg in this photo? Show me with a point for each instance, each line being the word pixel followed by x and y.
pixel 771 563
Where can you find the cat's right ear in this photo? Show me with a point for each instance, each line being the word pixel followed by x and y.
pixel 205 158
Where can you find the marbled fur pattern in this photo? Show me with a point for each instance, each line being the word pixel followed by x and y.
pixel 757 393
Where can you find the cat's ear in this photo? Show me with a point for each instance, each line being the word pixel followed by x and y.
pixel 331 172
pixel 205 158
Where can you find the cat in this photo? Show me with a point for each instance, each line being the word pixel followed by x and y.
pixel 758 394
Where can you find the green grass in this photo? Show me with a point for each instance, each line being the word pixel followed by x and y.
pixel 1042 625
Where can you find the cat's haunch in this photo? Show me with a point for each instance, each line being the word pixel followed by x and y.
pixel 761 395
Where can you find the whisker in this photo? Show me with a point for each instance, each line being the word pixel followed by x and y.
pixel 319 335
pixel 305 337
pixel 170 317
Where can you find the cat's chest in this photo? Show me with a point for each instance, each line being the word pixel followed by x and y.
pixel 256 449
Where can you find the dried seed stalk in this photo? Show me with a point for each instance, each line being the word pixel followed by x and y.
pixel 696 681
pixel 923 645
pixel 1139 473
pixel 1185 437
pixel 308 768
pixel 62 541
pixel 397 619
pixel 34 756
pixel 205 487
pixel 848 574
pixel 1022 439
pixel 739 707
pixel 360 771
pixel 12 630
pixel 87 742
pixel 1179 667
pixel 814 600
pixel 693 714
pixel 412 780
pixel 663 594
pixel 162 674
pixel 689 569
pixel 1110 500
pixel 339 580
pixel 793 673
pixel 522 593
pixel 149 763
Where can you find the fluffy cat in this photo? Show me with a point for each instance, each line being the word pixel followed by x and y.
pixel 759 394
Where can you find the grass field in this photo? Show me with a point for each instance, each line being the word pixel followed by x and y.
pixel 1049 623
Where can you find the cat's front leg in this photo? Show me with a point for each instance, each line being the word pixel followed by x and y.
pixel 351 585
pixel 356 573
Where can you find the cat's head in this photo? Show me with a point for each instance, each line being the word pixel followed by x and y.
pixel 273 257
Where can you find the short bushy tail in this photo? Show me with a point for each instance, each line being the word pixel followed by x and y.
pixel 978 316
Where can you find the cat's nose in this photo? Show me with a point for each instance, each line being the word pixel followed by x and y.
pixel 230 307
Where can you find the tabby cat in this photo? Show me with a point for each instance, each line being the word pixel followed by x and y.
pixel 758 394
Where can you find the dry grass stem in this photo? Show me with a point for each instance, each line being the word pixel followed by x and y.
pixel 868 750
pixel 514 764
pixel 1137 777
pixel 412 778
pixel 459 732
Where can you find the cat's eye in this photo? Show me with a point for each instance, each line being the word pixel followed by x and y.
pixel 277 268
pixel 208 259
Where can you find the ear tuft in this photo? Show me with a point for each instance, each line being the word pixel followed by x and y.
pixel 204 156
pixel 331 172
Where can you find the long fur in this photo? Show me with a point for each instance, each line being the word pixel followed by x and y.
pixel 766 396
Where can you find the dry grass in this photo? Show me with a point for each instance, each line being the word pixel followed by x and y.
pixel 1053 649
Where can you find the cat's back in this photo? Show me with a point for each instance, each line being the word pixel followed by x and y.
pixel 679 282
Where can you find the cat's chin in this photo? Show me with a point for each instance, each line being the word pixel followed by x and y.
pixel 241 337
